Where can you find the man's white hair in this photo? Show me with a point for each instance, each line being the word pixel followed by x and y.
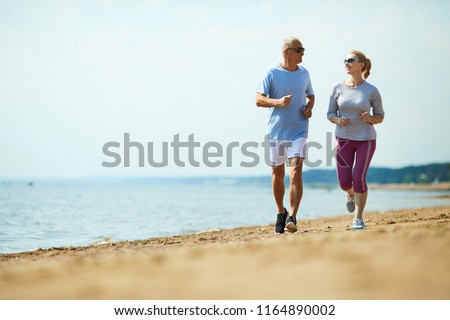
pixel 288 42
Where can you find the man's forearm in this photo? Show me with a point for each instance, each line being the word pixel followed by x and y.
pixel 265 102
pixel 310 100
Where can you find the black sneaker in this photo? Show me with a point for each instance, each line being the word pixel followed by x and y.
pixel 281 221
pixel 291 224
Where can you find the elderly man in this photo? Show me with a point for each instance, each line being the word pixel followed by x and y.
pixel 286 89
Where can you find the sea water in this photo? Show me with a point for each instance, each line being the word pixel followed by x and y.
pixel 64 213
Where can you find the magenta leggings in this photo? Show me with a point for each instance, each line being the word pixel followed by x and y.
pixel 353 173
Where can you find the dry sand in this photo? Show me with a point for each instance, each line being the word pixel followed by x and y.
pixel 401 255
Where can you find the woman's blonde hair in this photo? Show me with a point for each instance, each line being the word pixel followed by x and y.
pixel 361 57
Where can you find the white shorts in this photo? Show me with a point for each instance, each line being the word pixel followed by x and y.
pixel 282 150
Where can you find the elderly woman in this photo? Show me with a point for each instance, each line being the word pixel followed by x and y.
pixel 355 107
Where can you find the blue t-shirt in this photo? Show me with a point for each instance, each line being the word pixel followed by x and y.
pixel 287 123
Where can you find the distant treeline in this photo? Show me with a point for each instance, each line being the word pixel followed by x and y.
pixel 430 173
pixel 437 172
pixel 413 174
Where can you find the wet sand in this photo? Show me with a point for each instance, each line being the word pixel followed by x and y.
pixel 402 254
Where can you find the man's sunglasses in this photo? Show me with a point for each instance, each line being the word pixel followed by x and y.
pixel 351 60
pixel 298 50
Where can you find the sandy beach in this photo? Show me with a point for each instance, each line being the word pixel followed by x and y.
pixel 401 255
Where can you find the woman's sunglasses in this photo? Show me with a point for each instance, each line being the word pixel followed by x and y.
pixel 351 60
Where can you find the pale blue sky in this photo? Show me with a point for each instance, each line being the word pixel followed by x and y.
pixel 77 74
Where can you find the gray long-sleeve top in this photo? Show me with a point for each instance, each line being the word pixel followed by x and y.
pixel 350 103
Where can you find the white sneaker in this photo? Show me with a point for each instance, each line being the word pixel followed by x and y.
pixel 350 204
pixel 358 224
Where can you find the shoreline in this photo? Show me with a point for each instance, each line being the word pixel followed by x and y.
pixel 441 186
pixel 402 254
pixel 177 238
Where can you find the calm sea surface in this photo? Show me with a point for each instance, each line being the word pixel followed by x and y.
pixel 57 214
